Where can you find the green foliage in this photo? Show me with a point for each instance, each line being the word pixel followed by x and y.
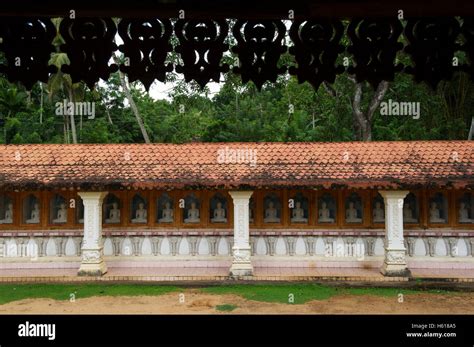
pixel 283 111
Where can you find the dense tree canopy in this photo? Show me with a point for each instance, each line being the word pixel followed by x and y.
pixel 283 111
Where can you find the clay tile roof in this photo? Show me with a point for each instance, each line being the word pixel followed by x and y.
pixel 215 165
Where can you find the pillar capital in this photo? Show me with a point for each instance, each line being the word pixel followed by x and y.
pixel 241 194
pixel 92 196
pixel 394 194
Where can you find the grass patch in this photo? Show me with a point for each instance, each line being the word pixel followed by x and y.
pixel 14 292
pixel 282 293
pixel 226 307
pixel 301 293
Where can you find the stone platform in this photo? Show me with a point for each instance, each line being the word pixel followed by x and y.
pixel 212 274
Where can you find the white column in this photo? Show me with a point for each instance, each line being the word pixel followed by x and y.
pixel 92 248
pixel 241 263
pixel 395 259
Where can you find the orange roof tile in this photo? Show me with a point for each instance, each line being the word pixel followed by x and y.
pixel 211 165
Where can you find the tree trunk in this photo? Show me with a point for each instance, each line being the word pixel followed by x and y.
pixel 41 103
pixel 28 99
pixel 72 121
pixel 108 115
pixel 367 132
pixel 126 90
pixel 66 129
pixel 471 130
pixel 363 120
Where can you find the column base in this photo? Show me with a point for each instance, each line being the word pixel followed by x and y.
pixel 239 270
pixel 92 269
pixel 92 262
pixel 395 270
pixel 241 264
pixel 395 264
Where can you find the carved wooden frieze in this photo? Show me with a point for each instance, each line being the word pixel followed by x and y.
pixel 316 48
pixel 201 47
pixel 197 48
pixel 431 45
pixel 259 47
pixel 27 45
pixel 145 47
pixel 89 45
pixel 374 45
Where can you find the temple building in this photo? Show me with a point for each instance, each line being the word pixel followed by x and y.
pixel 392 205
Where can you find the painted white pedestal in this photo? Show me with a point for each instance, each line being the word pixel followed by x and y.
pixel 92 248
pixel 241 263
pixel 395 263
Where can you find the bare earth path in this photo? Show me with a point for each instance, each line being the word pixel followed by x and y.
pixel 196 302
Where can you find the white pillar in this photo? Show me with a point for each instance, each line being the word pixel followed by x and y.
pixel 241 263
pixel 395 263
pixel 92 248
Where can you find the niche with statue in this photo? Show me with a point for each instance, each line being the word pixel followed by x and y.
pixel 165 209
pixel 218 209
pixel 354 209
pixel 112 209
pixel 299 213
pixel 438 209
pixel 31 210
pixel 192 206
pixel 6 209
pixel 57 209
pixel 272 208
pixel 327 209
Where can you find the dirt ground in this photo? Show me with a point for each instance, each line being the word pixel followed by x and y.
pixel 196 302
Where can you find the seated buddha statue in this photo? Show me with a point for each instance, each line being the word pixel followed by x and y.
pixel 114 214
pixel 193 214
pixel 297 215
pixel 464 214
pixel 167 214
pixel 34 215
pixel 325 214
pixel 351 214
pixel 219 214
pixel 378 214
pixel 435 214
pixel 61 215
pixel 8 215
pixel 271 214
pixel 140 214
pixel 8 218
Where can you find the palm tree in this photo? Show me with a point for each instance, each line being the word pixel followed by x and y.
pixel 62 82
pixel 133 106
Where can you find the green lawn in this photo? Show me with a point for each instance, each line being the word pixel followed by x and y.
pixel 301 293
pixel 284 293
pixel 13 292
